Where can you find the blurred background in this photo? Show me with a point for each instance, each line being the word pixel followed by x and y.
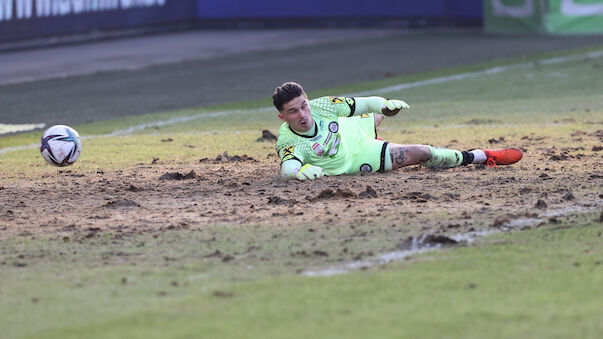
pixel 35 19
pixel 75 61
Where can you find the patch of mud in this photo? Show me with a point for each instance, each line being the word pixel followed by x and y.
pixel 276 200
pixel 178 176
pixel 224 157
pixel 331 194
pixel 122 203
pixel 409 202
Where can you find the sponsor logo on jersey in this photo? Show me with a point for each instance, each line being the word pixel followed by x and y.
pixel 316 138
pixel 288 150
pixel 337 100
pixel 328 138
pixel 333 126
pixel 322 125
pixel 366 168
pixel 333 149
pixel 318 149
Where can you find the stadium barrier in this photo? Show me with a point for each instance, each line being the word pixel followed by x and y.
pixel 544 16
pixel 22 20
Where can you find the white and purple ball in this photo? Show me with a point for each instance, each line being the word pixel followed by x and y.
pixel 60 145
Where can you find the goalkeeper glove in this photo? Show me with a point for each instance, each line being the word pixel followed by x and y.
pixel 392 107
pixel 309 172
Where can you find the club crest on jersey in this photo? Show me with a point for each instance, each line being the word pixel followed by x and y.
pixel 318 149
pixel 336 100
pixel 366 168
pixel 333 127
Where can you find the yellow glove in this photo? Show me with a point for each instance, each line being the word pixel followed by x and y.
pixel 392 107
pixel 309 172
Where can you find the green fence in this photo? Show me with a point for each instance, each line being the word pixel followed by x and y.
pixel 544 16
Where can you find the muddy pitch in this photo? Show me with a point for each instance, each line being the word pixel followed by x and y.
pixel 240 190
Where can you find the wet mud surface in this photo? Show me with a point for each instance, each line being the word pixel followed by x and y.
pixel 241 190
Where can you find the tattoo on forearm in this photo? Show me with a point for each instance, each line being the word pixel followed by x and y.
pixel 398 156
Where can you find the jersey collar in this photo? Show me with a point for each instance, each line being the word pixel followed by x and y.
pixel 306 136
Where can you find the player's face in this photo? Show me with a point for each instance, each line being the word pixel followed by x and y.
pixel 297 114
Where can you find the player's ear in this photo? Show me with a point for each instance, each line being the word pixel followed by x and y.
pixel 280 116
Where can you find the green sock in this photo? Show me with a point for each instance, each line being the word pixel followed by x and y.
pixel 444 158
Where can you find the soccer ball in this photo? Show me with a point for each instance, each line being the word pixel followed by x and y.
pixel 60 145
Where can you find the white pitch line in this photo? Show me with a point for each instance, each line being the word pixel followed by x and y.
pixel 418 247
pixel 132 129
pixel 489 71
pixel 433 81
pixel 13 128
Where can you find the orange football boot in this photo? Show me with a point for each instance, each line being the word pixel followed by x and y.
pixel 502 156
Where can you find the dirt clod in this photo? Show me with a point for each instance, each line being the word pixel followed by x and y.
pixel 133 188
pixel 560 157
pixel 597 148
pixel 503 219
pixel 569 196
pixel 122 203
pixel 320 253
pixel 329 194
pixel 214 254
pixel 412 243
pixel 223 294
pixel 267 136
pixel 224 157
pixel 178 176
pixel 276 200
pixel 541 204
pixel 368 193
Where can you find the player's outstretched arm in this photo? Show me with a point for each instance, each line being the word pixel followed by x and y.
pixel 293 169
pixel 376 104
pixel 393 106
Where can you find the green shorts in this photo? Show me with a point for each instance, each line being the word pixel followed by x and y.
pixel 364 152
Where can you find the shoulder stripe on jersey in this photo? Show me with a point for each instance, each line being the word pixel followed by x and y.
pixel 352 106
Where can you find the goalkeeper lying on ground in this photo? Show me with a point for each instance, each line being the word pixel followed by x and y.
pixel 335 135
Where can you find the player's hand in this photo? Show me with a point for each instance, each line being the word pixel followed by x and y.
pixel 392 107
pixel 309 172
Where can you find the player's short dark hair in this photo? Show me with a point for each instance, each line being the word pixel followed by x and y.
pixel 285 93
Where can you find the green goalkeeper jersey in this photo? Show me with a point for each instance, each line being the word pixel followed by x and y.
pixel 340 144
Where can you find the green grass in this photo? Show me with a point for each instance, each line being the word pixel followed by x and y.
pixel 544 283
pixel 546 100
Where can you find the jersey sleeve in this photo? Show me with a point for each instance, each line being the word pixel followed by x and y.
pixel 289 152
pixel 340 106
